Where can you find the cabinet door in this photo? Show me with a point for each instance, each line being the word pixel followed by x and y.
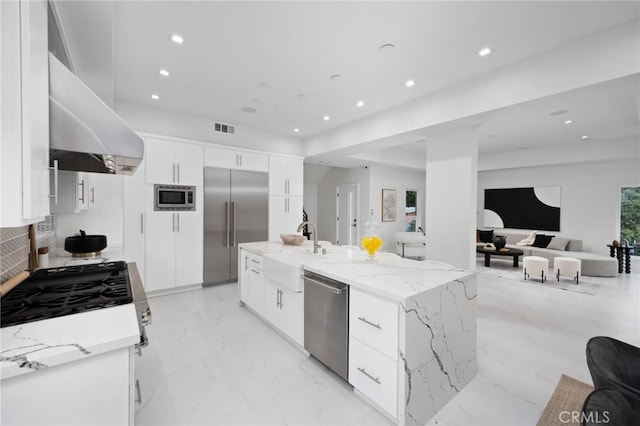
pixel 189 163
pixel 220 157
pixel 35 109
pixel 189 247
pixel 82 191
pixel 160 159
pixel 160 243
pixel 243 276
pixel 294 214
pixel 256 289
pixel 254 161
pixel 292 315
pixel 295 176
pixel 137 196
pixel 271 309
pixel 277 217
pixel 278 175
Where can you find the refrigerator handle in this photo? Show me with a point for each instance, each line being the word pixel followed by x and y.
pixel 233 208
pixel 226 220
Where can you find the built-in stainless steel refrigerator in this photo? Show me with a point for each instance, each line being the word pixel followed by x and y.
pixel 236 209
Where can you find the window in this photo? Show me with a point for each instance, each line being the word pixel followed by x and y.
pixel 630 218
pixel 410 211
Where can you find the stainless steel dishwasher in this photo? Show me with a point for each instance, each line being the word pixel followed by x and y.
pixel 326 321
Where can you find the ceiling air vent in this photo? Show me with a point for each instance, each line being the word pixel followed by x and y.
pixel 224 128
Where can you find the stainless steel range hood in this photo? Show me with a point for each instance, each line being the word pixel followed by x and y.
pixel 85 134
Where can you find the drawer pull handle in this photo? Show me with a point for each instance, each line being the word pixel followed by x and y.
pixel 370 323
pixel 255 272
pixel 254 261
pixel 363 371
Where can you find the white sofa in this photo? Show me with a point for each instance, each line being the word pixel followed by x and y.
pixel 594 265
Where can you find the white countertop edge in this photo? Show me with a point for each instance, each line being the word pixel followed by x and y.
pixel 68 338
pixel 394 293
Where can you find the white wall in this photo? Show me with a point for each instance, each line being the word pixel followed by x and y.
pixel 327 198
pixel 385 177
pixel 161 122
pixel 590 196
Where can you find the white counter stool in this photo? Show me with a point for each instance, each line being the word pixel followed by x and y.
pixel 535 266
pixel 567 266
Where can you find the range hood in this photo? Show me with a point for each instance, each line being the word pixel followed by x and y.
pixel 85 134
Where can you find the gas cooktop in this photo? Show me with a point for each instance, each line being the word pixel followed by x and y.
pixel 55 292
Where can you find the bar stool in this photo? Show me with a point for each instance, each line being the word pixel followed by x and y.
pixel 567 266
pixel 536 266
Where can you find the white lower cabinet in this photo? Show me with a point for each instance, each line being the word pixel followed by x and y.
pixel 373 349
pixel 374 375
pixel 251 280
pixel 174 245
pixel 91 391
pixel 285 310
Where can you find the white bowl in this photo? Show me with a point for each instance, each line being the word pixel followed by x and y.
pixel 293 239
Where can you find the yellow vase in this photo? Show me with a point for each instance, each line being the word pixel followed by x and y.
pixel 371 243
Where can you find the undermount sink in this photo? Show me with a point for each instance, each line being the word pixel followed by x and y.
pixel 286 268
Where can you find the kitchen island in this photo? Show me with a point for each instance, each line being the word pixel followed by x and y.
pixel 412 324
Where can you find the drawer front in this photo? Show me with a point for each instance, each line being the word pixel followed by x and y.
pixel 375 375
pixel 253 260
pixel 374 321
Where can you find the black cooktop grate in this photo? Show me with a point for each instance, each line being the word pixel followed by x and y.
pixel 55 292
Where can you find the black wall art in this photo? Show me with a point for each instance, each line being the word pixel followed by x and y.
pixel 536 208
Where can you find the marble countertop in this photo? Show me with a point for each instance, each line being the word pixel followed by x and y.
pixel 387 275
pixel 42 344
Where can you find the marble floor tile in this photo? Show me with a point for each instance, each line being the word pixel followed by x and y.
pixel 210 362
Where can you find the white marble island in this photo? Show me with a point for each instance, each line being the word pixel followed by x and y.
pixel 430 308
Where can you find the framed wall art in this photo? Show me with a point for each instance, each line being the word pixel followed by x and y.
pixel 535 208
pixel 389 205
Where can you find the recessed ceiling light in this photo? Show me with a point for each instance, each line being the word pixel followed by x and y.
pixel 164 73
pixel 155 97
pixel 559 112
pixel 296 130
pixel 360 104
pixel 484 52
pixel 326 118
pixel 177 39
pixel 568 121
pixel 387 47
pixel 335 77
pixel 583 137
pixel 410 83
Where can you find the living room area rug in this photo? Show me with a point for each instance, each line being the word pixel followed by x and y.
pixel 565 402
pixel 505 270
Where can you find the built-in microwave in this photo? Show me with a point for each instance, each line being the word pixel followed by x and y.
pixel 174 197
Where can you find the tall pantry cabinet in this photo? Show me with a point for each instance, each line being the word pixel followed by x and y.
pixel 168 244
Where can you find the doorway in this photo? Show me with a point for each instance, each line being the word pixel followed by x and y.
pixel 347 213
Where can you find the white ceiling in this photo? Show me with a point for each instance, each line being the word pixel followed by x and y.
pixel 265 54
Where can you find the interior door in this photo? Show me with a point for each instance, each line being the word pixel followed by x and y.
pixel 217 215
pixel 347 215
pixel 249 211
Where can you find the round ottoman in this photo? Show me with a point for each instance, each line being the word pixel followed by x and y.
pixel 535 266
pixel 567 266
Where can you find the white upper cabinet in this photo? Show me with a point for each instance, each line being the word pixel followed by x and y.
pixel 235 159
pixel 286 176
pixel 24 106
pixel 169 162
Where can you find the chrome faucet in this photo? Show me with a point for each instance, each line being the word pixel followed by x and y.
pixel 314 231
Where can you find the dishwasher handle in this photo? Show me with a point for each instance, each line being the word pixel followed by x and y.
pixel 336 290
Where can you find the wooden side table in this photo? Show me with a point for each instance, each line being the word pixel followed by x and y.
pixel 621 253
